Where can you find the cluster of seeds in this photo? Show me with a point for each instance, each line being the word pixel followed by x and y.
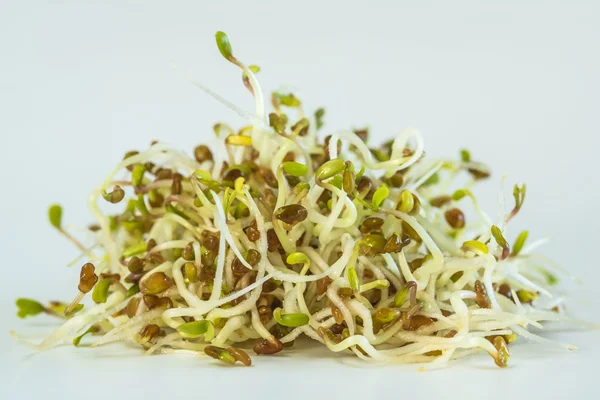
pixel 270 233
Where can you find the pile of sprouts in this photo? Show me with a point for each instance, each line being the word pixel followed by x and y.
pixel 271 234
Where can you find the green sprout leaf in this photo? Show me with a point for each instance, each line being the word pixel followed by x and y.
pixel 288 100
pixel 432 180
pixel 278 122
pixel 115 196
pixel 59 308
pixel 133 290
pixel 91 329
pixel 497 234
pixel 361 172
pixel 550 277
pixel 297 258
pixel 195 329
pixel 220 354
pixel 407 202
pixel 475 246
pixel 386 315
pixel 380 195
pixel 400 296
pixel 100 292
pixel 55 215
pixel 465 155
pixel 527 296
pixel 460 194
pixel 353 279
pixel 519 195
pixel 337 181
pixel 224 45
pixel 330 168
pixel 74 311
pixel 519 243
pixel 134 250
pixel 319 114
pixel 295 169
pixel 28 308
pixel 137 175
pixel 292 320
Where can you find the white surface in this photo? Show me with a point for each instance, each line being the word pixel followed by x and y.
pixel 82 82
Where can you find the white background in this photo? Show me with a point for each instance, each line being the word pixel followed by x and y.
pixel 81 82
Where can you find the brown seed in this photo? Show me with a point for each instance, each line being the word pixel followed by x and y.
pixel 416 264
pixel 324 197
pixel 208 257
pixel 132 307
pixel 134 278
pixel 272 240
pixel 188 253
pixel 265 314
pixel 505 291
pixel 269 199
pixel 337 314
pixel 481 297
pixel 149 332
pixel 176 185
pixel 303 130
pixel 291 214
pixel 155 199
pixel 372 244
pixel 418 321
pixel 397 179
pixel 163 174
pixel 289 156
pixel 153 302
pixel 135 265
pixel 269 286
pixel 128 155
pixel 371 224
pixel 501 359
pixel 156 283
pixel 240 355
pixel 233 174
pixel 206 275
pixel 151 244
pixel 94 228
pixel 252 232
pixel 87 278
pixel 364 186
pixel 409 232
pixel 112 277
pixel 363 134
pixel 252 257
pixel 440 201
pixel 268 347
pixel 479 172
pixel 211 241
pixel 326 147
pixel 202 153
pixel 323 284
pixel 456 276
pixel 337 328
pixel 267 175
pixel 394 244
pixel 455 218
